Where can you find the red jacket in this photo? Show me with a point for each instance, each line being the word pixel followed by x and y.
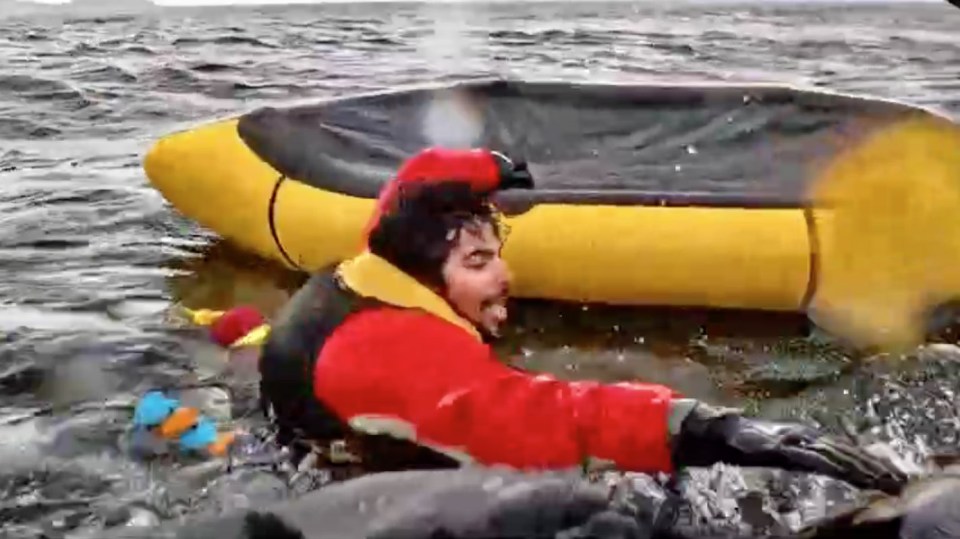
pixel 415 375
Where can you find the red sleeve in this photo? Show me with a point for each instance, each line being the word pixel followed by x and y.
pixel 420 377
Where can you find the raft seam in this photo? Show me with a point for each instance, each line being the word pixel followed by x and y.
pixel 813 240
pixel 271 214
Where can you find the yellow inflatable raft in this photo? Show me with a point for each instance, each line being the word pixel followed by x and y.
pixel 677 195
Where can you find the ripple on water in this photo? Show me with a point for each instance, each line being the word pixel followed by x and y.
pixel 101 73
pixel 23 129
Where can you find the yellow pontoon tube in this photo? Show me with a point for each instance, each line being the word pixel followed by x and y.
pixel 675 195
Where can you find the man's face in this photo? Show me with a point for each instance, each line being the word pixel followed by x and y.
pixel 477 278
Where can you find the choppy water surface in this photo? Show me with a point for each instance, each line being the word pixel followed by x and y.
pixel 93 258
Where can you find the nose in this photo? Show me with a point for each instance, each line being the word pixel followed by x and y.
pixel 504 275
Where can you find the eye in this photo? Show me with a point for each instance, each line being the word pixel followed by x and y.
pixel 476 261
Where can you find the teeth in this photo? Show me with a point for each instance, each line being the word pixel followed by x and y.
pixel 499 311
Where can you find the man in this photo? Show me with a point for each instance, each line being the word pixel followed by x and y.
pixel 388 350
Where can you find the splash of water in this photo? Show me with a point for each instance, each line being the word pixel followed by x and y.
pixel 450 119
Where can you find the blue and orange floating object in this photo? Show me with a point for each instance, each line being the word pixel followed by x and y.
pixel 169 420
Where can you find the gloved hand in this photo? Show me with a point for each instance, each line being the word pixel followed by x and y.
pixel 513 174
pixel 708 435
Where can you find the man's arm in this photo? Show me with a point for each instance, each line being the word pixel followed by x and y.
pixel 418 377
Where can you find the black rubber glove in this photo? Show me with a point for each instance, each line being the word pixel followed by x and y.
pixel 513 173
pixel 708 435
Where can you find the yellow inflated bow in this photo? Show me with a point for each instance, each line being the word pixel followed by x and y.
pixel 888 223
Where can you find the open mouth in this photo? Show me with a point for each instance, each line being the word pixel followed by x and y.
pixel 498 311
pixel 495 308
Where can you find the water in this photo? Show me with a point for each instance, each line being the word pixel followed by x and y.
pixel 93 258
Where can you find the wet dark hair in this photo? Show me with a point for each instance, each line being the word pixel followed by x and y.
pixel 418 231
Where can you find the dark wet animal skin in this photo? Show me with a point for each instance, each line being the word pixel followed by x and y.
pixel 474 504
